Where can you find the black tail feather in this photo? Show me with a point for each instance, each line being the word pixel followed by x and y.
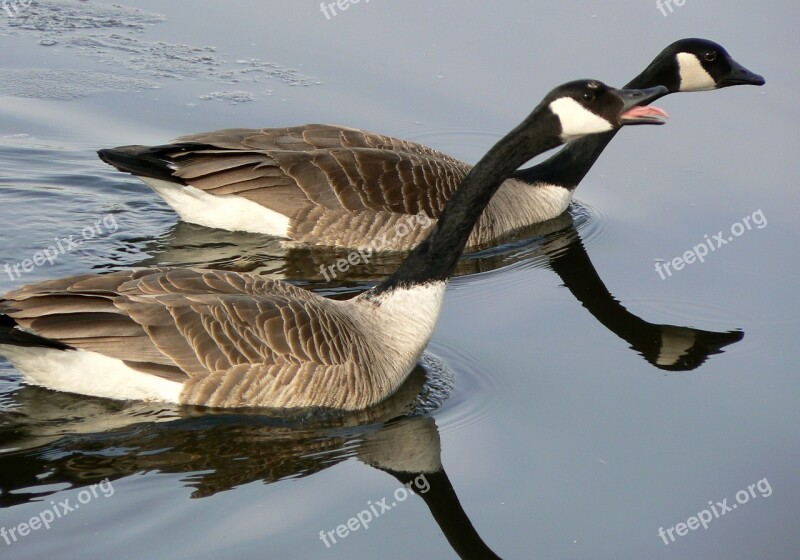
pixel 143 161
pixel 13 336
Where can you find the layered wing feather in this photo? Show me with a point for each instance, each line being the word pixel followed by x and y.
pixel 232 339
pixel 333 167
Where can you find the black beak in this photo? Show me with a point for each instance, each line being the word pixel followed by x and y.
pixel 740 76
pixel 634 105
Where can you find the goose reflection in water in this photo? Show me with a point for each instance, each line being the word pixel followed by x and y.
pixel 56 439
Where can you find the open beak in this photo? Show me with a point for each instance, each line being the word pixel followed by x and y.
pixel 635 109
pixel 741 76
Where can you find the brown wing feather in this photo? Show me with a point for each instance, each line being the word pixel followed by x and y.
pixel 195 326
pixel 334 167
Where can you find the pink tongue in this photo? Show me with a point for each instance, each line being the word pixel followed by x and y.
pixel 646 111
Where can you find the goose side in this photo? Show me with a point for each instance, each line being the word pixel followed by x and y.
pixel 227 339
pixel 342 187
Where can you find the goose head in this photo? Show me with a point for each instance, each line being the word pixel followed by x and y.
pixel 587 107
pixel 696 65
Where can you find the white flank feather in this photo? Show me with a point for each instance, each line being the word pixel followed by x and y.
pixel 89 373
pixel 228 212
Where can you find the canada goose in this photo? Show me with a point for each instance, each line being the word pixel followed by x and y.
pixel 226 339
pixel 342 187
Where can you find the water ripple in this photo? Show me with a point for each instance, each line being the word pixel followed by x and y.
pixel 475 392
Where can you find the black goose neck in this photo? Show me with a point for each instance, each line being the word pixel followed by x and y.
pixel 436 257
pixel 663 71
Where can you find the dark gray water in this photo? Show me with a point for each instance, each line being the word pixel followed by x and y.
pixel 543 422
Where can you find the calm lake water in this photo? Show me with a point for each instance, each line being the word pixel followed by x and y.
pixel 544 421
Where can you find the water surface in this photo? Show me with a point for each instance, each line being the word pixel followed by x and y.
pixel 546 418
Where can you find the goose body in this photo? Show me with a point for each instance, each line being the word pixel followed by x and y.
pixel 343 187
pixel 227 339
pixel 220 338
pixel 326 185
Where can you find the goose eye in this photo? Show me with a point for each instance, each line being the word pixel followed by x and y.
pixel 710 56
pixel 588 96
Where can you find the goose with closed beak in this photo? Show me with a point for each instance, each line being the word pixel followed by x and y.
pixel 227 339
pixel 684 66
pixel 341 187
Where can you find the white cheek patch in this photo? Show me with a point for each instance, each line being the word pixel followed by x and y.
pixel 674 346
pixel 692 74
pixel 576 120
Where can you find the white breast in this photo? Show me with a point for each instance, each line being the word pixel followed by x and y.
pixel 517 205
pixel 532 204
pixel 400 323
pixel 228 212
